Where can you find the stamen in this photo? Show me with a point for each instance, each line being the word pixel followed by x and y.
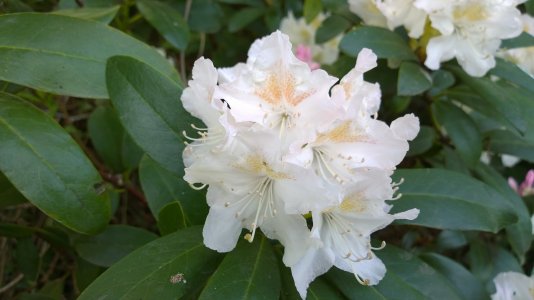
pixel 382 246
pixel 198 188
pixel 198 128
pixel 401 181
pixel 399 195
pixel 360 281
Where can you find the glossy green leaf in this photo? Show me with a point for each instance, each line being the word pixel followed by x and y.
pixel 171 218
pixel 149 107
pixel 423 142
pixel 205 16
pixel 467 285
pixel 162 187
pixel 320 289
pixel 494 97
pixel 407 277
pixel 511 72
pixel 112 244
pixel 106 133
pixel 523 40
pixel 450 200
pixel 499 113
pixel 450 239
pixel 503 141
pixel 100 14
pixel 66 4
pixel 9 195
pixel 45 164
pixel 461 129
pixel 27 258
pixel 383 42
pixel 15 231
pixel 413 80
pixel 66 55
pixel 167 20
pixel 250 271
pixel 441 80
pixel 244 17
pixel 519 234
pixel 311 9
pixel 85 273
pixel 487 260
pixel 330 28
pixel 167 268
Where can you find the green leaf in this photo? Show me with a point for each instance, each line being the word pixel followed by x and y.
pixel 312 8
pixel 523 40
pixel 244 17
pixel 85 273
pixel 450 200
pixel 321 289
pixel 9 195
pixel 171 218
pixel 167 20
pixel 65 55
pixel 441 80
pixel 162 187
pixel 205 16
pixel 149 107
pixel 250 271
pixel 106 133
pixel 383 42
pixel 66 4
pixel 45 164
pixel 112 244
pixel 519 234
pixel 166 268
pixel 513 73
pixel 407 277
pixel 486 260
pixel 461 129
pixel 413 80
pixel 27 258
pixel 423 142
pixel 15 231
pixel 494 96
pixel 509 117
pixel 503 141
pixel 450 239
pixel 467 285
pixel 101 14
pixel 330 28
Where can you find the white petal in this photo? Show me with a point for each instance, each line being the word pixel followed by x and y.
pixel 221 230
pixel 369 270
pixel 366 60
pixel 439 49
pixel 315 263
pixel 292 232
pixel 406 127
pixel 513 285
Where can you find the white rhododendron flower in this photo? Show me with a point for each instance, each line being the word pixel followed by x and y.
pixel 403 12
pixel 282 142
pixel 513 286
pixel 470 31
pixel 523 57
pixel 368 11
pixel 302 35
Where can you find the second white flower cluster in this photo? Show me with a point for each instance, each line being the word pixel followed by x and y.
pixel 283 143
pixel 469 30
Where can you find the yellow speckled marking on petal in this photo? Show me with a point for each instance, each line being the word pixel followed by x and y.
pixel 353 203
pixel 471 12
pixel 343 133
pixel 281 88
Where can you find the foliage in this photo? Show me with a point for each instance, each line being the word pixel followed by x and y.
pixel 92 198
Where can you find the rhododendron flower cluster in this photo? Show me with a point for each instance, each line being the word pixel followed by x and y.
pixel 282 142
pixel 523 57
pixel 469 30
pixel 302 36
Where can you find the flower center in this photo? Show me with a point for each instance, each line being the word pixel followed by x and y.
pixel 471 12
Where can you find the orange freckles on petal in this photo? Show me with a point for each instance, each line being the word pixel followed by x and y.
pixel 343 133
pixel 281 88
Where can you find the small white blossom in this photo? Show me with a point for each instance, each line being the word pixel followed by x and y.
pixel 302 34
pixel 523 57
pixel 513 286
pixel 368 11
pixel 470 31
pixel 403 12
